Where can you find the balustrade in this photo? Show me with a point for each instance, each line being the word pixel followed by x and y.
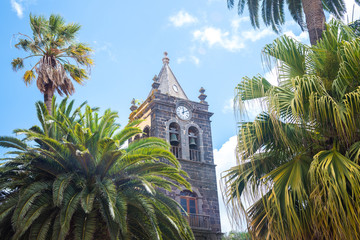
pixel 176 151
pixel 195 155
pixel 198 221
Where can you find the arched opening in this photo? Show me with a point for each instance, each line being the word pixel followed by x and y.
pixel 194 152
pixel 191 204
pixel 146 132
pixel 188 201
pixel 175 139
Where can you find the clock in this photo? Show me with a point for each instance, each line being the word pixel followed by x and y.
pixel 183 112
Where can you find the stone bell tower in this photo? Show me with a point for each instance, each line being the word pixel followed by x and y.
pixel 185 124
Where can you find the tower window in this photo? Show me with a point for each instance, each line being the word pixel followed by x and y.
pixel 193 135
pixel 188 201
pixel 174 137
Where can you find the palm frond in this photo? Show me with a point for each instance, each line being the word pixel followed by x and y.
pixel 17 64
pixel 85 225
pixel 298 160
pixel 68 177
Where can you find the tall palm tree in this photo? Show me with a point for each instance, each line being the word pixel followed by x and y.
pixel 57 54
pixel 273 14
pixel 80 181
pixel 298 175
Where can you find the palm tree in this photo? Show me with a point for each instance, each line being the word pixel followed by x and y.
pixel 80 181
pixel 355 26
pixel 272 12
pixel 52 45
pixel 298 175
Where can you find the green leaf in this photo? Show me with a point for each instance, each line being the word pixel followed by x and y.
pixel 40 230
pixel 59 186
pixel 17 64
pixel 85 225
pixel 87 200
pixel 71 201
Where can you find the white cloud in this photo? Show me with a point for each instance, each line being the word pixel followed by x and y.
pixel 252 108
pixel 253 34
pixel 181 60
pixel 182 18
pixel 272 76
pixel 217 37
pixel 233 39
pixel 228 106
pixel 256 34
pixel 350 7
pixel 224 160
pixel 193 59
pixel 107 48
pixel 352 12
pixel 302 37
pixel 18 8
pixel 290 23
pixel 210 35
pixel 235 23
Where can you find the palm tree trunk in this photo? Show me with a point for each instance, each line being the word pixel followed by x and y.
pixel 48 95
pixel 315 19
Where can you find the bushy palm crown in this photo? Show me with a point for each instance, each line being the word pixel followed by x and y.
pixel 273 14
pixel 73 178
pixel 299 159
pixel 57 54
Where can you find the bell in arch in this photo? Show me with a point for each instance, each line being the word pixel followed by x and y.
pixel 174 139
pixel 192 142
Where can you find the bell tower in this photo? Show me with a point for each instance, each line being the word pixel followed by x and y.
pixel 185 124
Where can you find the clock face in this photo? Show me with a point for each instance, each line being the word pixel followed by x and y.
pixel 183 112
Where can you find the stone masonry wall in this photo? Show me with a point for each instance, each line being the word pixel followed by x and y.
pixel 202 174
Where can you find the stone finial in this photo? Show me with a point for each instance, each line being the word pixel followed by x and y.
pixel 202 96
pixel 133 105
pixel 165 59
pixel 156 83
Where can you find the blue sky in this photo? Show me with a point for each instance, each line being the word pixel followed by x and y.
pixel 208 45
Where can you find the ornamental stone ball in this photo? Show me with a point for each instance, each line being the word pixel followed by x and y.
pixel 133 105
pixel 202 96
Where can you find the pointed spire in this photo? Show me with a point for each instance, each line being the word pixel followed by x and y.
pixel 202 96
pixel 166 82
pixel 165 60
